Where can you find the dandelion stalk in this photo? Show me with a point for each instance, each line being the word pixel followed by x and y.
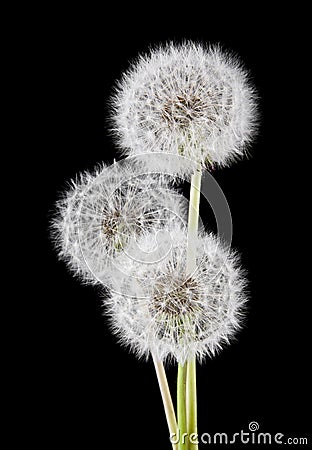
pixel 193 221
pixel 166 398
pixel 191 403
pixel 181 406
pixel 191 394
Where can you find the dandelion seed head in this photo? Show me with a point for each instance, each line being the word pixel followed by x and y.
pixel 187 99
pixel 178 316
pixel 103 212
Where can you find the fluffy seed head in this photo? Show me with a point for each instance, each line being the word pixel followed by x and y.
pixel 186 99
pixel 102 212
pixel 173 315
pixel 65 226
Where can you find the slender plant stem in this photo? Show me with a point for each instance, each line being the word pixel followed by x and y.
pixel 181 407
pixel 167 401
pixel 191 394
pixel 193 216
pixel 191 404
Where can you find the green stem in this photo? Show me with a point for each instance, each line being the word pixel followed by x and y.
pixel 191 404
pixel 181 407
pixel 191 394
pixel 193 216
pixel 167 401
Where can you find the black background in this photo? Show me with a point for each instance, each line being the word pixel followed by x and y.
pixel 95 392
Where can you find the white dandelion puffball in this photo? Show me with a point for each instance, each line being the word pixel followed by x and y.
pixel 65 226
pixel 186 99
pixel 179 317
pixel 104 211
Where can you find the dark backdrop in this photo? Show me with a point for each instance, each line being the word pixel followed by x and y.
pixel 95 391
